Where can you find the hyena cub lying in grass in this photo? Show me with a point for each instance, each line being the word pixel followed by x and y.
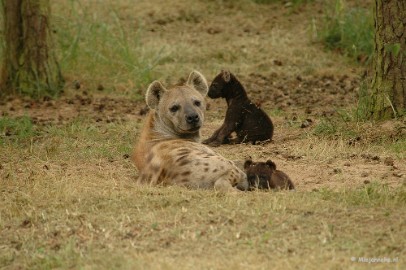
pixel 243 117
pixel 264 175
pixel 168 151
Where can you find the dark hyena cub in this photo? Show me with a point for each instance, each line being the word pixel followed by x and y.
pixel 264 175
pixel 247 120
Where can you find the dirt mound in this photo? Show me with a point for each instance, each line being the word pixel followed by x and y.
pixel 99 108
pixel 319 96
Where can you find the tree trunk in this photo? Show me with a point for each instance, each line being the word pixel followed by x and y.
pixel 29 65
pixel 389 83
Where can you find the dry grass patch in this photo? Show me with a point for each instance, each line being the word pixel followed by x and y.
pixel 68 197
pixel 67 203
pixel 106 221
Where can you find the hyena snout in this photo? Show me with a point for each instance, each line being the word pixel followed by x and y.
pixel 193 119
pixel 242 182
pixel 243 185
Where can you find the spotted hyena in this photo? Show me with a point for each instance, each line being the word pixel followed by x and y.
pixel 168 151
pixel 264 175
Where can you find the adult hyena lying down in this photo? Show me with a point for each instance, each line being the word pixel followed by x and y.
pixel 168 151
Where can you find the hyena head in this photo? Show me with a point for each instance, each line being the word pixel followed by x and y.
pixel 179 110
pixel 218 86
pixel 259 173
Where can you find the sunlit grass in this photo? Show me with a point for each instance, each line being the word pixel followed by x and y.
pixel 100 48
pixel 68 195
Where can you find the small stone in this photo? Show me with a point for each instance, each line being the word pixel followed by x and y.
pixel 26 223
pixel 76 84
pixel 364 174
pixel 306 123
pixel 277 62
pixel 388 161
pixel 144 111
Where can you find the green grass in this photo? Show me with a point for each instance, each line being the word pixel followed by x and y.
pixel 373 194
pixel 293 2
pixel 351 129
pixel 398 146
pixel 16 130
pixel 2 43
pixel 364 106
pixel 325 127
pixel 96 44
pixel 92 140
pixel 348 30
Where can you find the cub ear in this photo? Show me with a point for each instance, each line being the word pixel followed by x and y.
pixel 247 163
pixel 154 94
pixel 226 75
pixel 271 164
pixel 198 82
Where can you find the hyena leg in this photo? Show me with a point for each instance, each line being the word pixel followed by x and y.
pixel 223 183
pixel 214 136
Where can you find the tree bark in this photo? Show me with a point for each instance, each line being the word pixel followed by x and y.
pixel 388 97
pixel 29 65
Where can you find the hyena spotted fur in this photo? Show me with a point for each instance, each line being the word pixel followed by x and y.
pixel 169 152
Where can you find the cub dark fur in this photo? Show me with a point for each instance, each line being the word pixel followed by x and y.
pixel 247 120
pixel 264 175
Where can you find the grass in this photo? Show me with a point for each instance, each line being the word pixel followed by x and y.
pixel 18 130
pixel 372 194
pixel 2 43
pixel 353 132
pixel 61 228
pixel 94 44
pixel 293 2
pixel 68 197
pixel 71 202
pixel 348 30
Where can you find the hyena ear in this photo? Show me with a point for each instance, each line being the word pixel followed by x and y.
pixel 247 163
pixel 226 75
pixel 271 164
pixel 198 82
pixel 154 94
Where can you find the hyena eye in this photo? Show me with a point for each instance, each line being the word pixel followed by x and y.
pixel 197 103
pixel 174 108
